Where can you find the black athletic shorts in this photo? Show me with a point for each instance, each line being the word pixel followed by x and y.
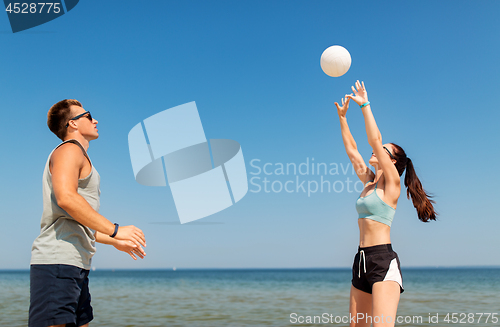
pixel 375 264
pixel 59 294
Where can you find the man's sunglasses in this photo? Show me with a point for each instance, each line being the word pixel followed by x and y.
pixel 80 116
pixel 389 152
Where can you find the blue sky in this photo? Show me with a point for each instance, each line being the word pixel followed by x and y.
pixel 430 68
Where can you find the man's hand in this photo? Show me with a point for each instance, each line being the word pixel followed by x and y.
pixel 130 248
pixel 132 234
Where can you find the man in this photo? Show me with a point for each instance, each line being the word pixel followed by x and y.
pixel 70 224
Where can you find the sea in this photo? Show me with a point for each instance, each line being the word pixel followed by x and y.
pixel 266 297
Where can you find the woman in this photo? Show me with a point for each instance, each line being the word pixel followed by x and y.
pixel 377 281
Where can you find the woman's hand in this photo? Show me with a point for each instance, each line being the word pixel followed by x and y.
pixel 130 248
pixel 360 95
pixel 345 105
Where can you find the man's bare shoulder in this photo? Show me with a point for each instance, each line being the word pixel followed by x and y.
pixel 68 154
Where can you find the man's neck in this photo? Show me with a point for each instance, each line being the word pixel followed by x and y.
pixel 75 136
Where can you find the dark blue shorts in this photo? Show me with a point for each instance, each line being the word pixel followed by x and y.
pixel 59 294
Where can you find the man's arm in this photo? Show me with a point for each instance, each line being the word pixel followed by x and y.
pixel 66 163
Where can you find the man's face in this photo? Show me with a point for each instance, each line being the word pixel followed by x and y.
pixel 85 126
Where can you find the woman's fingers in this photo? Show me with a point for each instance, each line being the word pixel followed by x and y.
pixel 137 251
pixel 363 85
pixel 132 255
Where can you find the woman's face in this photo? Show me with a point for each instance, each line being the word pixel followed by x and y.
pixel 373 159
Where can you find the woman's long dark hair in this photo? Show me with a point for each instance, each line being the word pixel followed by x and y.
pixel 421 200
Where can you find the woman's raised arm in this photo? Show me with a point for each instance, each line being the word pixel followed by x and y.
pixel 373 133
pixel 362 171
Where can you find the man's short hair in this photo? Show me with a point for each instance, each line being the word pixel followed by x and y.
pixel 59 115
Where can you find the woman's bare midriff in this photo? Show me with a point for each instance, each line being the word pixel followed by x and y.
pixel 372 233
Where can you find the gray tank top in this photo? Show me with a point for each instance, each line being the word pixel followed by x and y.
pixel 62 239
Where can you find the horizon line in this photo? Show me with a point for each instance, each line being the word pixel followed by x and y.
pixel 268 268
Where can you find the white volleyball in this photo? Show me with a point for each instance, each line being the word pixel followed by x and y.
pixel 335 61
